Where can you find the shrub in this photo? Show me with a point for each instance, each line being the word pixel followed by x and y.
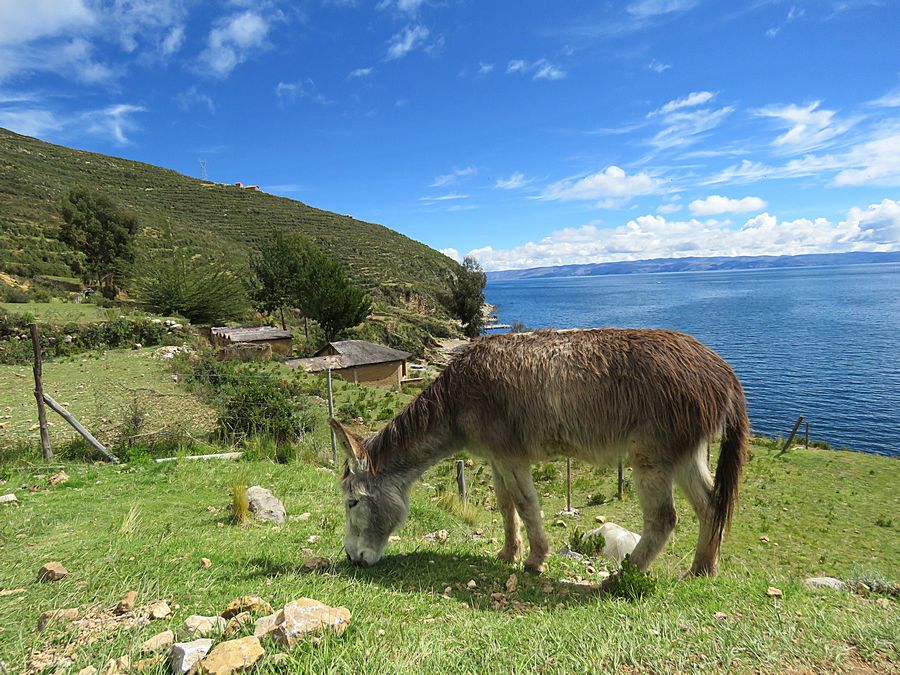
pixel 545 472
pixel 630 583
pixel 16 295
pixel 258 403
pixel 592 547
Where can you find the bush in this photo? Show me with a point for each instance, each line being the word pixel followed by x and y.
pixel 16 295
pixel 630 583
pixel 592 547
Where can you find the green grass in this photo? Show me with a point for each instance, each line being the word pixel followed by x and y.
pixel 58 312
pixel 145 528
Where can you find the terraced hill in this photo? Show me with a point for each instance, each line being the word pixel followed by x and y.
pixel 214 217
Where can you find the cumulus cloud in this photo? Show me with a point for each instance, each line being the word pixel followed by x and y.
pixel 715 205
pixel 232 41
pixel 875 228
pixel 612 187
pixel 453 176
pixel 409 39
pixel 513 182
pixel 22 21
pixel 808 127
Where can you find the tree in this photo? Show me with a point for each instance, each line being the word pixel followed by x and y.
pixel 276 267
pixel 330 298
pixel 466 297
pixel 95 225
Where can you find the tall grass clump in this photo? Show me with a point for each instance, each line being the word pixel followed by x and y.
pixel 453 504
pixel 240 504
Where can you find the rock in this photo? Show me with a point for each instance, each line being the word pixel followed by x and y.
pixel 56 616
pixel 237 623
pixel 90 670
pixel 764 539
pixel 126 604
pixel 440 536
pixel 264 505
pixel 720 616
pixel 8 499
pixel 316 564
pixel 145 665
pixel 304 516
pixel 818 583
pixel 265 625
pixel 157 610
pixel 472 584
pixel 158 643
pixel 185 655
pixel 198 626
pixel 233 656
pixel 560 523
pixel 566 552
pixel 52 571
pixel 58 478
pixel 600 519
pixel 619 541
pixel 205 563
pixel 137 345
pixel 305 616
pixel 773 592
pixel 246 603
pixel 512 583
pixel 119 666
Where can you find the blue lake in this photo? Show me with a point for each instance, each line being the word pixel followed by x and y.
pixel 820 342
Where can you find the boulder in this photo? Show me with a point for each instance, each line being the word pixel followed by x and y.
pixel 158 643
pixel 8 499
pixel 197 626
pixel 233 656
pixel 619 541
pixel 185 655
pixel 57 616
pixel 264 505
pixel 126 604
pixel 819 583
pixel 52 571
pixel 246 603
pixel 304 616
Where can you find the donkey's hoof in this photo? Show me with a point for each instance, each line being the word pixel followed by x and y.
pixel 509 555
pixel 535 568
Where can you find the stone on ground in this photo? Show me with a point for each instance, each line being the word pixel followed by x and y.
pixel 316 563
pixel 817 583
pixel 233 656
pixel 158 643
pixel 119 666
pixel 56 616
pixel 157 610
pixel 306 616
pixel 246 603
pixel 198 626
pixel 619 541
pixel 126 604
pixel 52 571
pixel 264 505
pixel 58 478
pixel 265 625
pixel 237 623
pixel 205 563
pixel 185 655
pixel 89 670
pixel 8 499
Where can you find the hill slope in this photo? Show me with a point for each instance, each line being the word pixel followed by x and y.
pixel 218 218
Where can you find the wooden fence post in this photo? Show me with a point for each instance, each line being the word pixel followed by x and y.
pixel 621 491
pixel 807 434
pixel 331 414
pixel 568 485
pixel 790 438
pixel 461 478
pixel 88 436
pixel 39 393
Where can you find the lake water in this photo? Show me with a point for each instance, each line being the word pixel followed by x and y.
pixel 819 342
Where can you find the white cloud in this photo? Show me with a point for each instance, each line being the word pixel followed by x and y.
pixel 22 21
pixel 541 69
pixel 717 204
pixel 693 99
pixel 650 8
pixel 191 97
pixel 684 127
pixel 403 6
pixel 516 66
pixel 452 253
pixel 360 72
pixel 514 182
pixel 453 176
pixel 443 198
pixel 231 42
pixel 809 126
pixel 547 71
pixel 612 186
pixel 485 68
pixel 875 228
pixel 658 66
pixel 173 41
pixel 889 100
pixel 288 91
pixel 671 207
pixel 876 162
pixel 113 121
pixel 30 122
pixel 407 40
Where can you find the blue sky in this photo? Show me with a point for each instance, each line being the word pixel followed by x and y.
pixel 527 133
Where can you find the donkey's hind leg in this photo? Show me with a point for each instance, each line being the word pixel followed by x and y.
pixel 694 479
pixel 512 544
pixel 519 484
pixel 653 483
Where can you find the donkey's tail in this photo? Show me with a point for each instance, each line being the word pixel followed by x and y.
pixel 731 462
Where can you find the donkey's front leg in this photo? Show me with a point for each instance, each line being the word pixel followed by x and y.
pixel 518 482
pixel 512 544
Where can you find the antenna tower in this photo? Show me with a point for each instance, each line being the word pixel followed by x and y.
pixel 202 169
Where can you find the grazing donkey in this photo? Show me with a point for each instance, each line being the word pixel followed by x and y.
pixel 656 396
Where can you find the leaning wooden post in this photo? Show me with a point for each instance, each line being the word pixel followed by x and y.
pixel 568 485
pixel 461 478
pixel 621 482
pixel 790 438
pixel 39 393
pixel 88 436
pixel 331 414
pixel 807 435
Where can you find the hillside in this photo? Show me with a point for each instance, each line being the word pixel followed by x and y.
pixel 698 264
pixel 219 219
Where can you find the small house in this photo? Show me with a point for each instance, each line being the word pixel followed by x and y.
pixel 358 361
pixel 279 340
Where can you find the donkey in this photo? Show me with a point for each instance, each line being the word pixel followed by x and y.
pixel 656 396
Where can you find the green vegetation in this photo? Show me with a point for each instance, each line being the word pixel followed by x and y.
pixel 466 297
pixel 592 547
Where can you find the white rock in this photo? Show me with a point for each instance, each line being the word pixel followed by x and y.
pixel 816 583
pixel 185 655
pixel 198 626
pixel 8 499
pixel 264 505
pixel 619 541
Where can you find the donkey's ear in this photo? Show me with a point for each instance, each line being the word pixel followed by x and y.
pixel 350 442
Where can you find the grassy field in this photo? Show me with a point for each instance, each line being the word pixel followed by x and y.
pixel 145 528
pixel 58 312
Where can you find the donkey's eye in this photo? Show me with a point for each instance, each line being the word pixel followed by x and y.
pixel 351 503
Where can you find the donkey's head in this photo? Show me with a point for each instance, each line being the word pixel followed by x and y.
pixel 376 503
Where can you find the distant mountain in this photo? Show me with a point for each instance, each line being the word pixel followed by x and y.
pixel 698 265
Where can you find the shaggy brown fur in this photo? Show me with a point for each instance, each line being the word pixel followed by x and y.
pixel 657 397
